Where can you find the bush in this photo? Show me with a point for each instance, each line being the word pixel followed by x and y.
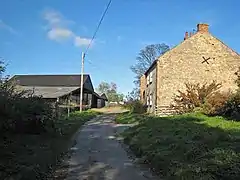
pixel 23 113
pixel 136 106
pixel 196 96
pixel 214 104
pixel 232 107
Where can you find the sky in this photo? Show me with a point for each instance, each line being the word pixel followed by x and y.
pixel 48 36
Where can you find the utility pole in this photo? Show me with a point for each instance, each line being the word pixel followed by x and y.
pixel 81 86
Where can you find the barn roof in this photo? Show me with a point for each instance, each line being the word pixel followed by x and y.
pixel 51 86
pixel 49 80
pixel 48 92
pixel 104 97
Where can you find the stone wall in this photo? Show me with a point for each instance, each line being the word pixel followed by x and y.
pixel 151 89
pixel 142 88
pixel 201 58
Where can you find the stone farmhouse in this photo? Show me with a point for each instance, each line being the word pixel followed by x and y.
pixel 199 58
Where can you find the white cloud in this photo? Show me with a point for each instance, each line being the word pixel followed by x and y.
pixel 79 41
pixel 5 26
pixel 60 34
pixel 55 18
pixel 59 30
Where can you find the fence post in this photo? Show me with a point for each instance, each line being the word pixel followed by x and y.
pixel 68 106
pixel 57 109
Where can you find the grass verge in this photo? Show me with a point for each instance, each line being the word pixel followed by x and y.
pixel 28 157
pixel 129 118
pixel 190 146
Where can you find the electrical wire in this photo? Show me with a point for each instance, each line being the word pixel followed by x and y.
pixel 98 26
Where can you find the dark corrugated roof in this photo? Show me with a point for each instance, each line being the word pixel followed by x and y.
pixel 104 97
pixel 48 92
pixel 49 80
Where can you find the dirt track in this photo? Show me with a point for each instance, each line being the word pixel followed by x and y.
pixel 98 155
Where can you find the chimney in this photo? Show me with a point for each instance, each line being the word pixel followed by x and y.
pixel 202 28
pixel 186 35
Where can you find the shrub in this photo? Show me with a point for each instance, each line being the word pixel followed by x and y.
pixel 23 113
pixel 195 96
pixel 136 106
pixel 215 103
pixel 232 107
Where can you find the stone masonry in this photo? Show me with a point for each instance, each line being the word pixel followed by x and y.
pixel 142 88
pixel 200 58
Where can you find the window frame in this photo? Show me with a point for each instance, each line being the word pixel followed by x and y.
pixel 150 100
pixel 151 77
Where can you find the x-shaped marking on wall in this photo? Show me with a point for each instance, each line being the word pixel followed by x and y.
pixel 205 60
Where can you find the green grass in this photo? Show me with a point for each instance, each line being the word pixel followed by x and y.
pixel 190 146
pixel 128 118
pixel 31 157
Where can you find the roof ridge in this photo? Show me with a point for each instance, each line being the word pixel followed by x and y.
pixel 179 44
pixel 225 45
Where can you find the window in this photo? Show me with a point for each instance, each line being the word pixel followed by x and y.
pixel 151 77
pixel 147 100
pixel 143 95
pixel 150 100
pixel 148 79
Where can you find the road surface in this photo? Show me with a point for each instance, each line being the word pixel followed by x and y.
pixel 98 154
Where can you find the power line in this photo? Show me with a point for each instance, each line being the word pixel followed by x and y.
pixel 99 24
pixel 83 55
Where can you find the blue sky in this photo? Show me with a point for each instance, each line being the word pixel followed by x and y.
pixel 48 36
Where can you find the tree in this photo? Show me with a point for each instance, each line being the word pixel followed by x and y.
pixel 133 95
pixel 103 87
pixel 2 70
pixel 110 89
pixel 146 57
pixel 120 97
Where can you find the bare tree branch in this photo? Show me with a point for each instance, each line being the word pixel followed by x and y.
pixel 146 57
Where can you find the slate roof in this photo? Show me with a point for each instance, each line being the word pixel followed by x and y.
pixel 49 80
pixel 48 92
pixel 104 97
pixel 52 86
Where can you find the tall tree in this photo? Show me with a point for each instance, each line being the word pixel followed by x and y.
pixel 103 87
pixel 2 70
pixel 133 95
pixel 146 57
pixel 110 89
